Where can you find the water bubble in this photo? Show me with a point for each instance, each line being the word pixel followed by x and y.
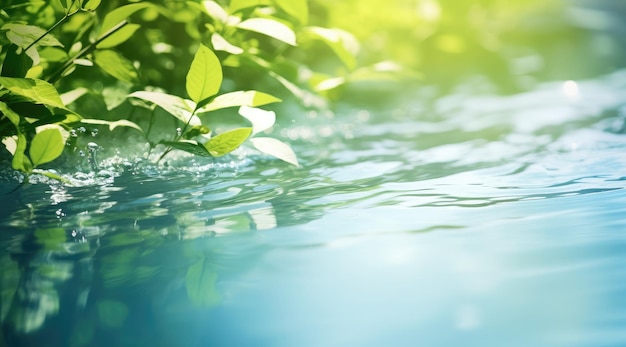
pixel 81 130
pixel 92 146
pixel 81 153
pixel 94 132
pixel 73 133
pixel 179 131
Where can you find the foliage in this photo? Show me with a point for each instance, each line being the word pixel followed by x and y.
pixel 105 58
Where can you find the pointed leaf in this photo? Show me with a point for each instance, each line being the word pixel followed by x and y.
pixel 46 146
pixel 188 146
pixel 20 160
pixel 239 98
pixel 220 44
pixel 271 28
pixel 119 37
pixel 276 149
pixel 16 65
pixel 113 124
pixel 23 35
pixel 174 105
pixel 114 17
pixel 261 120
pixel 298 9
pixel 36 90
pixel 205 75
pixel 227 142
pixel 116 65
pixel 200 283
pixel 91 5
pixel 215 10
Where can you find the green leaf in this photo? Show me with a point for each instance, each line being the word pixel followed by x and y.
pixel 63 3
pixel 238 5
pixel 271 28
pixel 174 105
pixel 20 160
pixel 112 313
pixel 251 98
pixel 298 9
pixel 188 146
pixel 10 114
pixel 73 95
pixel 113 124
pixel 227 142
pixel 205 75
pixel 261 120
pixel 46 146
pixel 114 17
pixel 119 37
pixel 116 65
pixel 275 148
pixel 39 91
pixel 16 64
pixel 24 35
pixel 52 175
pixel 216 11
pixel 341 42
pixel 219 43
pixel 200 283
pixel 91 5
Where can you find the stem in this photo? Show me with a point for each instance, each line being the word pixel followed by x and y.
pixel 90 48
pixel 65 17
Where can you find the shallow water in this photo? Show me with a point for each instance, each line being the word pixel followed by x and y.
pixel 470 220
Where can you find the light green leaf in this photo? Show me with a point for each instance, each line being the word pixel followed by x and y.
pixel 298 9
pixel 220 44
pixel 215 11
pixel 46 146
pixel 91 5
pixel 271 28
pixel 174 105
pixel 63 3
pixel 188 146
pixel 205 75
pixel 237 5
pixel 20 160
pixel 113 124
pixel 119 37
pixel 200 283
pixel 24 35
pixel 227 142
pixel 251 98
pixel 114 17
pixel 341 42
pixel 10 114
pixel 261 120
pixel 116 65
pixel 275 148
pixel 112 313
pixel 36 90
pixel 73 95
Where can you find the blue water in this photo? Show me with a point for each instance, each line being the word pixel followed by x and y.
pixel 464 220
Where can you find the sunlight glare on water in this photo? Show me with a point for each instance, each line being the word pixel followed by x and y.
pixel 485 221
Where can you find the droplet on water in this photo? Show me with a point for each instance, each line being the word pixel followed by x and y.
pixel 94 132
pixel 179 131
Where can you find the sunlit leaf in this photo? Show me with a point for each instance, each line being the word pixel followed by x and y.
pixel 215 10
pixel 205 75
pixel 46 146
pixel 275 148
pixel 188 146
pixel 24 35
pixel 227 142
pixel 116 16
pixel 237 5
pixel 112 313
pixel 73 95
pixel 20 160
pixel 341 42
pixel 116 65
pixel 240 98
pixel 10 114
pixel 91 5
pixel 112 124
pixel 270 28
pixel 174 105
pixel 261 119
pixel 220 44
pixel 200 283
pixel 119 37
pixel 298 9
pixel 36 90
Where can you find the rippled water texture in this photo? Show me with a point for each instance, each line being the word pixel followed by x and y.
pixel 465 221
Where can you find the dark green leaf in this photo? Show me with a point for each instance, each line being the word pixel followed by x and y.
pixel 116 65
pixel 16 65
pixel 188 146
pixel 227 142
